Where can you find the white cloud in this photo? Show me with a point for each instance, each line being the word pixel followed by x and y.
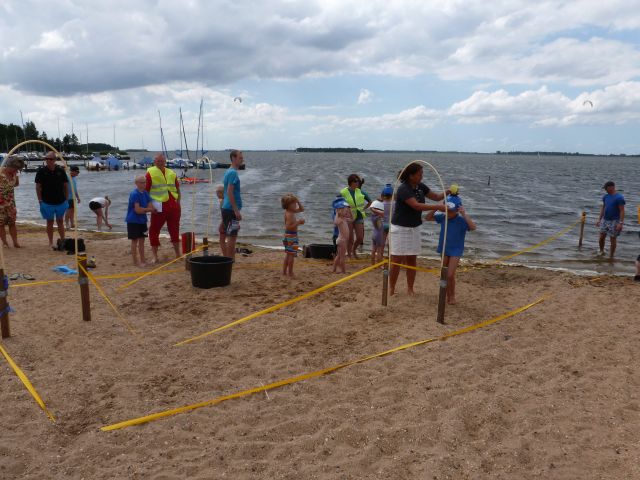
pixel 365 96
pixel 54 40
pixel 618 103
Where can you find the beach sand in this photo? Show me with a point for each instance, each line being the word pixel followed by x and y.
pixel 552 392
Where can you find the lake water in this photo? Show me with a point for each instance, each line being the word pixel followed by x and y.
pixel 529 199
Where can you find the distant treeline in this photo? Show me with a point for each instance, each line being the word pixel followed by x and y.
pixel 329 150
pixel 11 135
pixel 565 154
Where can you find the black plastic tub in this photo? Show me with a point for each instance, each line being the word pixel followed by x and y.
pixel 210 271
pixel 320 250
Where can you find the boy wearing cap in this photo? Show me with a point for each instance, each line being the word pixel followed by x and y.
pixel 457 226
pixel 74 171
pixel 612 211
pixel 381 210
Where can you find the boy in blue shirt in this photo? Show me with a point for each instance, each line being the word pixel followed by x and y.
pixel 457 226
pixel 613 212
pixel 139 205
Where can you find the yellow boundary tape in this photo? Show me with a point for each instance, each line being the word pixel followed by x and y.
pixel 281 305
pixel 144 275
pixel 101 277
pixel 113 307
pixel 318 373
pixel 27 383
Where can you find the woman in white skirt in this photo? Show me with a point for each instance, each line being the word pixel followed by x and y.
pixel 405 223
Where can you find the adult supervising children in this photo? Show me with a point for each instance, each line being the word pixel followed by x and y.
pixel 74 171
pixel 611 217
pixel 232 204
pixel 100 206
pixel 52 189
pixel 358 201
pixel 406 221
pixel 164 188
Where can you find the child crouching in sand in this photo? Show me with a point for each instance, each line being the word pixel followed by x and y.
pixel 291 206
pixel 457 226
pixel 139 205
pixel 342 221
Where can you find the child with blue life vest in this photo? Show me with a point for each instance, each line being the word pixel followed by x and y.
pixel 139 205
pixel 381 211
pixel 459 222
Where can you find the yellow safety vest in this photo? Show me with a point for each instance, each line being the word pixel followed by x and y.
pixel 358 205
pixel 162 184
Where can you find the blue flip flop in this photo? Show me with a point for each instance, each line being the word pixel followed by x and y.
pixel 65 270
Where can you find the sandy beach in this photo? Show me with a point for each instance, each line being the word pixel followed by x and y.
pixel 552 392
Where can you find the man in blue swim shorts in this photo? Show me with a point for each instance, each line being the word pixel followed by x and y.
pixel 611 217
pixel 52 190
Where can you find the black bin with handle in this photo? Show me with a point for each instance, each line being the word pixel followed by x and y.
pixel 320 250
pixel 210 271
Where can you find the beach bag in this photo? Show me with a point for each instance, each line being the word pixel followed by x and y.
pixel 69 245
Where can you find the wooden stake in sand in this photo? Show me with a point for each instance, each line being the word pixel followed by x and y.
pixel 83 281
pixel 582 222
pixel 442 297
pixel 4 307
pixel 385 284
pixel 205 246
pixel 188 243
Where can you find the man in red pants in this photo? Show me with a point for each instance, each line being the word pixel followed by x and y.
pixel 164 187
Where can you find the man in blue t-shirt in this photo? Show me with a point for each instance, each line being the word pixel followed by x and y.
pixel 611 217
pixel 232 204
pixel 457 226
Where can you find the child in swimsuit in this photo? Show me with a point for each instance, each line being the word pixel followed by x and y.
pixel 222 232
pixel 342 221
pixel 291 206
pixel 380 209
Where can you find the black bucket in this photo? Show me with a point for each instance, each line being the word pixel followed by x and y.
pixel 210 271
pixel 320 250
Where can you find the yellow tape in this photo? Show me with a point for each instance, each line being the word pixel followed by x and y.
pixel 102 277
pixel 306 376
pixel 533 247
pixel 27 383
pixel 281 305
pixel 418 269
pixel 126 285
pixel 104 295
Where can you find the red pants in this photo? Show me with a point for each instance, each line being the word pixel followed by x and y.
pixel 171 215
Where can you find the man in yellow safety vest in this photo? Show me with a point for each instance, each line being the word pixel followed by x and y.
pixel 164 187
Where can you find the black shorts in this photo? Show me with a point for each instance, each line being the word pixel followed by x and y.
pixel 95 205
pixel 136 230
pixel 70 207
pixel 230 223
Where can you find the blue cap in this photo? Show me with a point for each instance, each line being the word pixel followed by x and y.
pixel 455 200
pixel 387 190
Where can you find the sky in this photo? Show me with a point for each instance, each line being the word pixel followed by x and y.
pixel 460 75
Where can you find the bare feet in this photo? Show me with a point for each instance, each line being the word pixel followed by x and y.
pixel 17 245
pixel 410 292
pixel 452 301
pixel 5 244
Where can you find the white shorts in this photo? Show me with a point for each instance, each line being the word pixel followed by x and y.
pixel 404 240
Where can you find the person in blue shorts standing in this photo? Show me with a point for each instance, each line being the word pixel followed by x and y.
pixel 139 205
pixel 52 189
pixel 611 217
pixel 457 226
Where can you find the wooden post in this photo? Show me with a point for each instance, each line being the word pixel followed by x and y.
pixel 442 297
pixel 205 246
pixel 188 239
pixel 4 318
pixel 385 284
pixel 83 280
pixel 582 222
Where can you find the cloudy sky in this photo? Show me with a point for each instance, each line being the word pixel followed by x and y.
pixel 409 74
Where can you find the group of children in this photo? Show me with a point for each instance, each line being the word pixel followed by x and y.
pixel 457 225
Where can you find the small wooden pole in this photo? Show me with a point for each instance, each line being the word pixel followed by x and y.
pixel 189 239
pixel 4 318
pixel 385 284
pixel 442 297
pixel 205 246
pixel 582 222
pixel 83 280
